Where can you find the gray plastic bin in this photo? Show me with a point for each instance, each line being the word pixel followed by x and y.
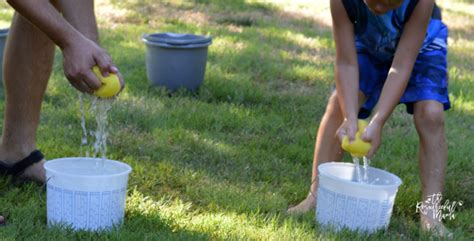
pixel 3 40
pixel 176 60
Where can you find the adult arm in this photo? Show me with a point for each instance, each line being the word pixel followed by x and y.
pixel 81 15
pixel 80 53
pixel 47 18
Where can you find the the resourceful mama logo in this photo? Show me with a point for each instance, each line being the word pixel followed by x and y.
pixel 432 205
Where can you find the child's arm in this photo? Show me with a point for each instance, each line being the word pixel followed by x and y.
pixel 405 56
pixel 346 66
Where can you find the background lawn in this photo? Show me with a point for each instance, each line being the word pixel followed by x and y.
pixel 225 163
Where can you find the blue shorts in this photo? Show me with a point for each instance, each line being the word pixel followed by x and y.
pixel 428 81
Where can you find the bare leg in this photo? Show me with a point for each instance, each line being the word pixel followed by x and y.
pixel 433 155
pixel 80 14
pixel 28 63
pixel 27 66
pixel 327 148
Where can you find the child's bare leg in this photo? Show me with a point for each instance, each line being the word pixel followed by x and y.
pixel 27 63
pixel 327 148
pixel 433 155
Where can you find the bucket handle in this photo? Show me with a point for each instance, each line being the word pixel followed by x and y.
pixel 42 190
pixel 310 192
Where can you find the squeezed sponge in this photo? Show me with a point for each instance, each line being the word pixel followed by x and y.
pixel 358 147
pixel 110 84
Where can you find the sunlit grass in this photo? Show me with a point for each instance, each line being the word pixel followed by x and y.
pixel 6 14
pixel 461 7
pixel 226 162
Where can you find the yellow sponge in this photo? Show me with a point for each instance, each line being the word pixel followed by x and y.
pixel 110 84
pixel 358 147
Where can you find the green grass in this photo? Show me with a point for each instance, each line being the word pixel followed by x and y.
pixel 225 163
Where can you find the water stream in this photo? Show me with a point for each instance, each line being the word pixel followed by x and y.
pixel 366 161
pixel 84 139
pixel 99 108
pixel 357 168
pixel 362 176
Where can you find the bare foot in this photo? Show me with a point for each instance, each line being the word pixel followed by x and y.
pixel 35 172
pixel 436 227
pixel 304 206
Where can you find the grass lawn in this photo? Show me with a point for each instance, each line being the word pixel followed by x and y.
pixel 225 163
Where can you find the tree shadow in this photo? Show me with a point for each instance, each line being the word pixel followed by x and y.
pixel 235 167
pixel 27 217
pixel 237 79
pixel 237 26
pixel 232 73
pixel 226 147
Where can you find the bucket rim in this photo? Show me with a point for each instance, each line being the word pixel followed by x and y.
pixel 397 183
pixel 177 38
pixel 127 171
pixel 171 46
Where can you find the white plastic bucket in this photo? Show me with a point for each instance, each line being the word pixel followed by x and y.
pixel 83 196
pixel 344 202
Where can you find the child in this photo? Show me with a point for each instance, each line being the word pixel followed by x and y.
pixel 388 52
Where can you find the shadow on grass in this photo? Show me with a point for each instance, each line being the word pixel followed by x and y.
pixel 243 75
pixel 252 147
pixel 26 220
pixel 246 77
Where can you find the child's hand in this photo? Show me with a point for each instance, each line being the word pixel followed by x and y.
pixel 358 147
pixel 373 134
pixel 348 128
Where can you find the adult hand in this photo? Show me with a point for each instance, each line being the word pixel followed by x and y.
pixel 349 127
pixel 79 58
pixel 373 134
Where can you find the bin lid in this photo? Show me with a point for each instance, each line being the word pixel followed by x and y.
pixel 177 39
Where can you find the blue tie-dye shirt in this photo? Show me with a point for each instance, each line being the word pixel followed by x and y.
pixel 379 35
